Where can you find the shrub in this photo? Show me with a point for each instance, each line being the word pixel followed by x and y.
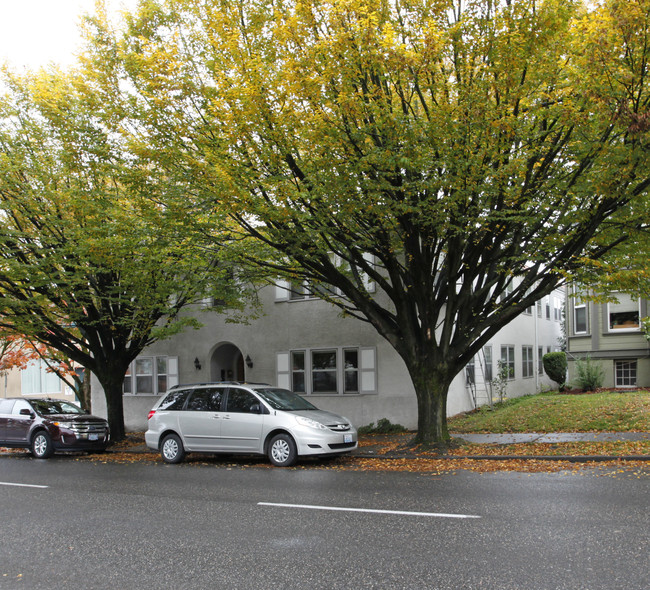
pixel 555 365
pixel 384 426
pixel 590 375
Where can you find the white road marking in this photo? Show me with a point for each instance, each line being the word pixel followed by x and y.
pixel 340 509
pixel 22 485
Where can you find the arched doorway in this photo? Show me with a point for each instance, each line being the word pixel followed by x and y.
pixel 227 363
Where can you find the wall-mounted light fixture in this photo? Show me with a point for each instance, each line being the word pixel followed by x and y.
pixel 197 364
pixel 249 362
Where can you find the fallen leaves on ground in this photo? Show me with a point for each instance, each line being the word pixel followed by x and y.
pixel 392 453
pixel 422 464
pixel 399 444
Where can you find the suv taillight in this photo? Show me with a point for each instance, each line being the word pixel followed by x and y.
pixel 151 413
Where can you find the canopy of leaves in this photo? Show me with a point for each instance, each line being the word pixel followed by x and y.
pixel 439 148
pixel 461 145
pixel 92 262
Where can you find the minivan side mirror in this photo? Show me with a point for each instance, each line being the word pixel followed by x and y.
pixel 26 412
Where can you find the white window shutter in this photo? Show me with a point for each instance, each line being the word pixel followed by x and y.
pixel 172 371
pixel 368 368
pixel 282 370
pixel 282 288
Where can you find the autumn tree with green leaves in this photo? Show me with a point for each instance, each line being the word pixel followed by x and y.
pixel 92 263
pixel 17 354
pixel 462 155
pixel 626 268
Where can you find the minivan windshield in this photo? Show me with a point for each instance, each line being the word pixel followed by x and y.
pixel 52 407
pixel 283 399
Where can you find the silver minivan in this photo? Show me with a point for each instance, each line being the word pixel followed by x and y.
pixel 233 417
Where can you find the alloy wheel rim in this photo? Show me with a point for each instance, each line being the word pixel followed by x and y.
pixel 280 451
pixel 170 449
pixel 40 445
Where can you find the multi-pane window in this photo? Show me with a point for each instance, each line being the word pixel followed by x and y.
pixel 529 309
pixel 298 291
pixel 298 371
pixel 623 315
pixel 527 361
pixel 306 290
pixel 547 306
pixel 487 359
pixel 557 309
pixel 540 360
pixel 151 375
pixel 508 361
pixel 144 375
pixel 323 371
pixel 128 381
pixel 340 370
pixel 37 377
pixel 625 373
pixel 350 370
pixel 506 292
pixel 580 318
pixel 161 373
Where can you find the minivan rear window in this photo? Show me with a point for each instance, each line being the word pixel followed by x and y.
pixel 175 400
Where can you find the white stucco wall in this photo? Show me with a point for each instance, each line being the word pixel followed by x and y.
pixel 312 325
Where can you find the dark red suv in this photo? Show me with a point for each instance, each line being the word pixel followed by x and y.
pixel 46 425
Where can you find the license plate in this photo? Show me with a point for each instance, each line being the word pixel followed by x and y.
pixel 93 437
pixel 347 438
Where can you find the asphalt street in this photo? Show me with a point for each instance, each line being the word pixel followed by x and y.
pixel 88 525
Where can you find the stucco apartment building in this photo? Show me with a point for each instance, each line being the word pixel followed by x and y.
pixel 341 364
pixel 611 335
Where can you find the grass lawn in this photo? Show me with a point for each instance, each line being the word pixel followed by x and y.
pixel 553 412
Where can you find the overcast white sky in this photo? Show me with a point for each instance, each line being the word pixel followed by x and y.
pixel 34 33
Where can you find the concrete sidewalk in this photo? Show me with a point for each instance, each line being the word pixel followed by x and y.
pixel 552 437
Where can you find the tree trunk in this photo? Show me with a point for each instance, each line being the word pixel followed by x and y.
pixel 84 392
pixel 431 389
pixel 114 402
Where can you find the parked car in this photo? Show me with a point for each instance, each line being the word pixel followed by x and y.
pixel 233 417
pixel 46 425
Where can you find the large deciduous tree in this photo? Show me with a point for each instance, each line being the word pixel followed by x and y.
pixel 463 155
pixel 92 264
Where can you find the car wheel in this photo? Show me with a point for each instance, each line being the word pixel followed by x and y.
pixel 282 450
pixel 41 446
pixel 171 449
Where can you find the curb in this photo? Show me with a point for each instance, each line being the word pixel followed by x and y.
pixel 569 458
pixel 389 457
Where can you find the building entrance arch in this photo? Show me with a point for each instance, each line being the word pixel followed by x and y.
pixel 227 363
